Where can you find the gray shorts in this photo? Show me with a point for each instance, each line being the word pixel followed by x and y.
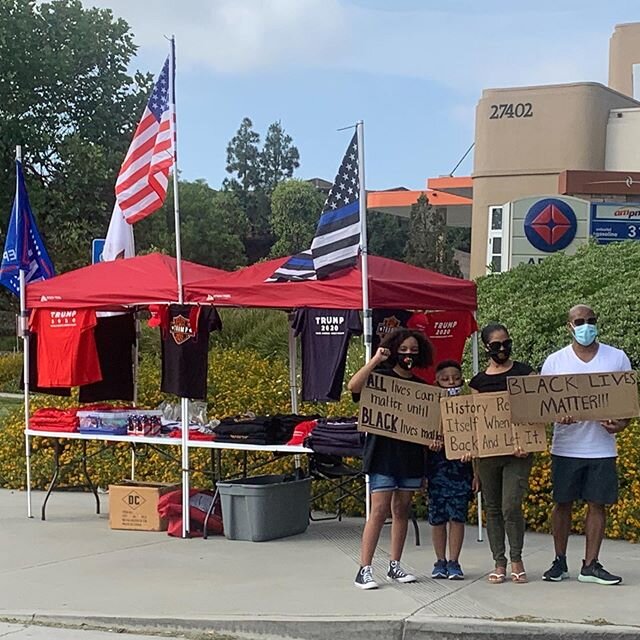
pixel 589 479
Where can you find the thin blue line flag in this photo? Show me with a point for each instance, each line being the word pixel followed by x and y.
pixel 23 248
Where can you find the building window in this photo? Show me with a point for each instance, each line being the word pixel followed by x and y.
pixel 635 78
pixel 496 260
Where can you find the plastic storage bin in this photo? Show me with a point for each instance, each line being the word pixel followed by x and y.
pixel 264 507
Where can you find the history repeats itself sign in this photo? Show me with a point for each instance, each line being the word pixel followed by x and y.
pixel 482 425
pixel 587 396
pixel 400 409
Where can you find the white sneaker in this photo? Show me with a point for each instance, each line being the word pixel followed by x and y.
pixel 364 578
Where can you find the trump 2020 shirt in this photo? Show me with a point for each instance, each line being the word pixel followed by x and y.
pixel 185 349
pixel 67 353
pixel 325 335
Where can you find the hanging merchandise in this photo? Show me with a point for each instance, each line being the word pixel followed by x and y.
pixel 63 392
pixel 384 321
pixel 115 338
pixel 325 335
pixel 447 331
pixel 67 353
pixel 185 348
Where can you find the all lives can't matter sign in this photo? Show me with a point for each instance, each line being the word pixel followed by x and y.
pixel 586 396
pixel 400 409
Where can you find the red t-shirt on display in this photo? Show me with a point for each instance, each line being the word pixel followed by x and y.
pixel 67 353
pixel 448 331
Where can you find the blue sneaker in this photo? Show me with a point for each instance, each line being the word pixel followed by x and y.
pixel 454 570
pixel 440 570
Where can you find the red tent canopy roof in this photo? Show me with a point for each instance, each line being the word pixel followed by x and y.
pixel 107 285
pixel 392 284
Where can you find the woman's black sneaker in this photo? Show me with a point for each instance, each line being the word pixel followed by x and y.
pixel 558 571
pixel 595 572
pixel 364 578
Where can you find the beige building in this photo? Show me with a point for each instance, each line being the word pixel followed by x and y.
pixel 533 146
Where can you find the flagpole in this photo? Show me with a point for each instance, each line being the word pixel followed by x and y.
pixel 176 199
pixel 184 402
pixel 364 263
pixel 24 331
pixel 364 269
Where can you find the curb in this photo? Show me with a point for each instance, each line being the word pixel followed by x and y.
pixel 417 627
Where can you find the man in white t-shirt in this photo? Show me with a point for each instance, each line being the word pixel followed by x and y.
pixel 583 454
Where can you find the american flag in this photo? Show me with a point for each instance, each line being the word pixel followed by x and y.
pixel 336 243
pixel 142 182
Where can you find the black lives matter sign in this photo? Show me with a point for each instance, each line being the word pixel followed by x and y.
pixel 586 396
pixel 401 409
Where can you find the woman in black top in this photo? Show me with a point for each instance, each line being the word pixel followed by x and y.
pixel 504 479
pixel 395 468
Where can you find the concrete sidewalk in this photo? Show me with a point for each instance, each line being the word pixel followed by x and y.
pixel 73 569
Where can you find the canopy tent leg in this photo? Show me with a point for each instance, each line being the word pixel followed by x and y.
pixel 184 410
pixel 293 383
pixel 24 333
pixel 293 363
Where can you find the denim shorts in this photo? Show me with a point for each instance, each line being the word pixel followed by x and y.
pixel 381 482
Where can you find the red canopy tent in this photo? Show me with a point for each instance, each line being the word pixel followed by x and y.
pixel 107 285
pixel 392 284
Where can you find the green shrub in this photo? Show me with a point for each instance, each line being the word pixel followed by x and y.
pixel 533 300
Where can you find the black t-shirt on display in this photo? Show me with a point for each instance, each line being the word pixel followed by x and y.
pixel 115 338
pixel 488 383
pixel 185 349
pixel 384 321
pixel 392 457
pixel 325 335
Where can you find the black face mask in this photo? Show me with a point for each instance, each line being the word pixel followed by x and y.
pixel 406 361
pixel 500 355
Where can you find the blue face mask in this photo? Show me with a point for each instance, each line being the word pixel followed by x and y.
pixel 585 334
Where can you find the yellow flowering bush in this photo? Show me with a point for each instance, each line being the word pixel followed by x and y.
pixel 243 380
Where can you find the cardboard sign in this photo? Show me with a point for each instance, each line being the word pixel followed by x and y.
pixel 587 396
pixel 481 425
pixel 400 409
pixel 459 420
pixel 530 437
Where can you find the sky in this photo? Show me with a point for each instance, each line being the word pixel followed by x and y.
pixel 412 70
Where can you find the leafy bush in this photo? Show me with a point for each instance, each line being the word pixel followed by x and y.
pixel 239 380
pixel 533 300
pixel 10 370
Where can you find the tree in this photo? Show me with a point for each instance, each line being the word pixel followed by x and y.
pixel 295 210
pixel 212 226
pixel 243 157
pixel 387 234
pixel 66 97
pixel 279 158
pixel 428 245
pixel 255 173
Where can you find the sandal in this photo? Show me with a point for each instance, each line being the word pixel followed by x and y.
pixel 497 578
pixel 519 578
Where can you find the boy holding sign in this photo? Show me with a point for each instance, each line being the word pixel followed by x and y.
pixel 583 455
pixel 450 486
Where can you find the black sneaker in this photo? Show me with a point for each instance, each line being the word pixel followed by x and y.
pixel 397 573
pixel 558 571
pixel 595 572
pixel 364 579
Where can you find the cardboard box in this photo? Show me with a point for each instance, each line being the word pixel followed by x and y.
pixel 134 505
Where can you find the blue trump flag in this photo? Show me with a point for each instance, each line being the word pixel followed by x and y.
pixel 23 248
